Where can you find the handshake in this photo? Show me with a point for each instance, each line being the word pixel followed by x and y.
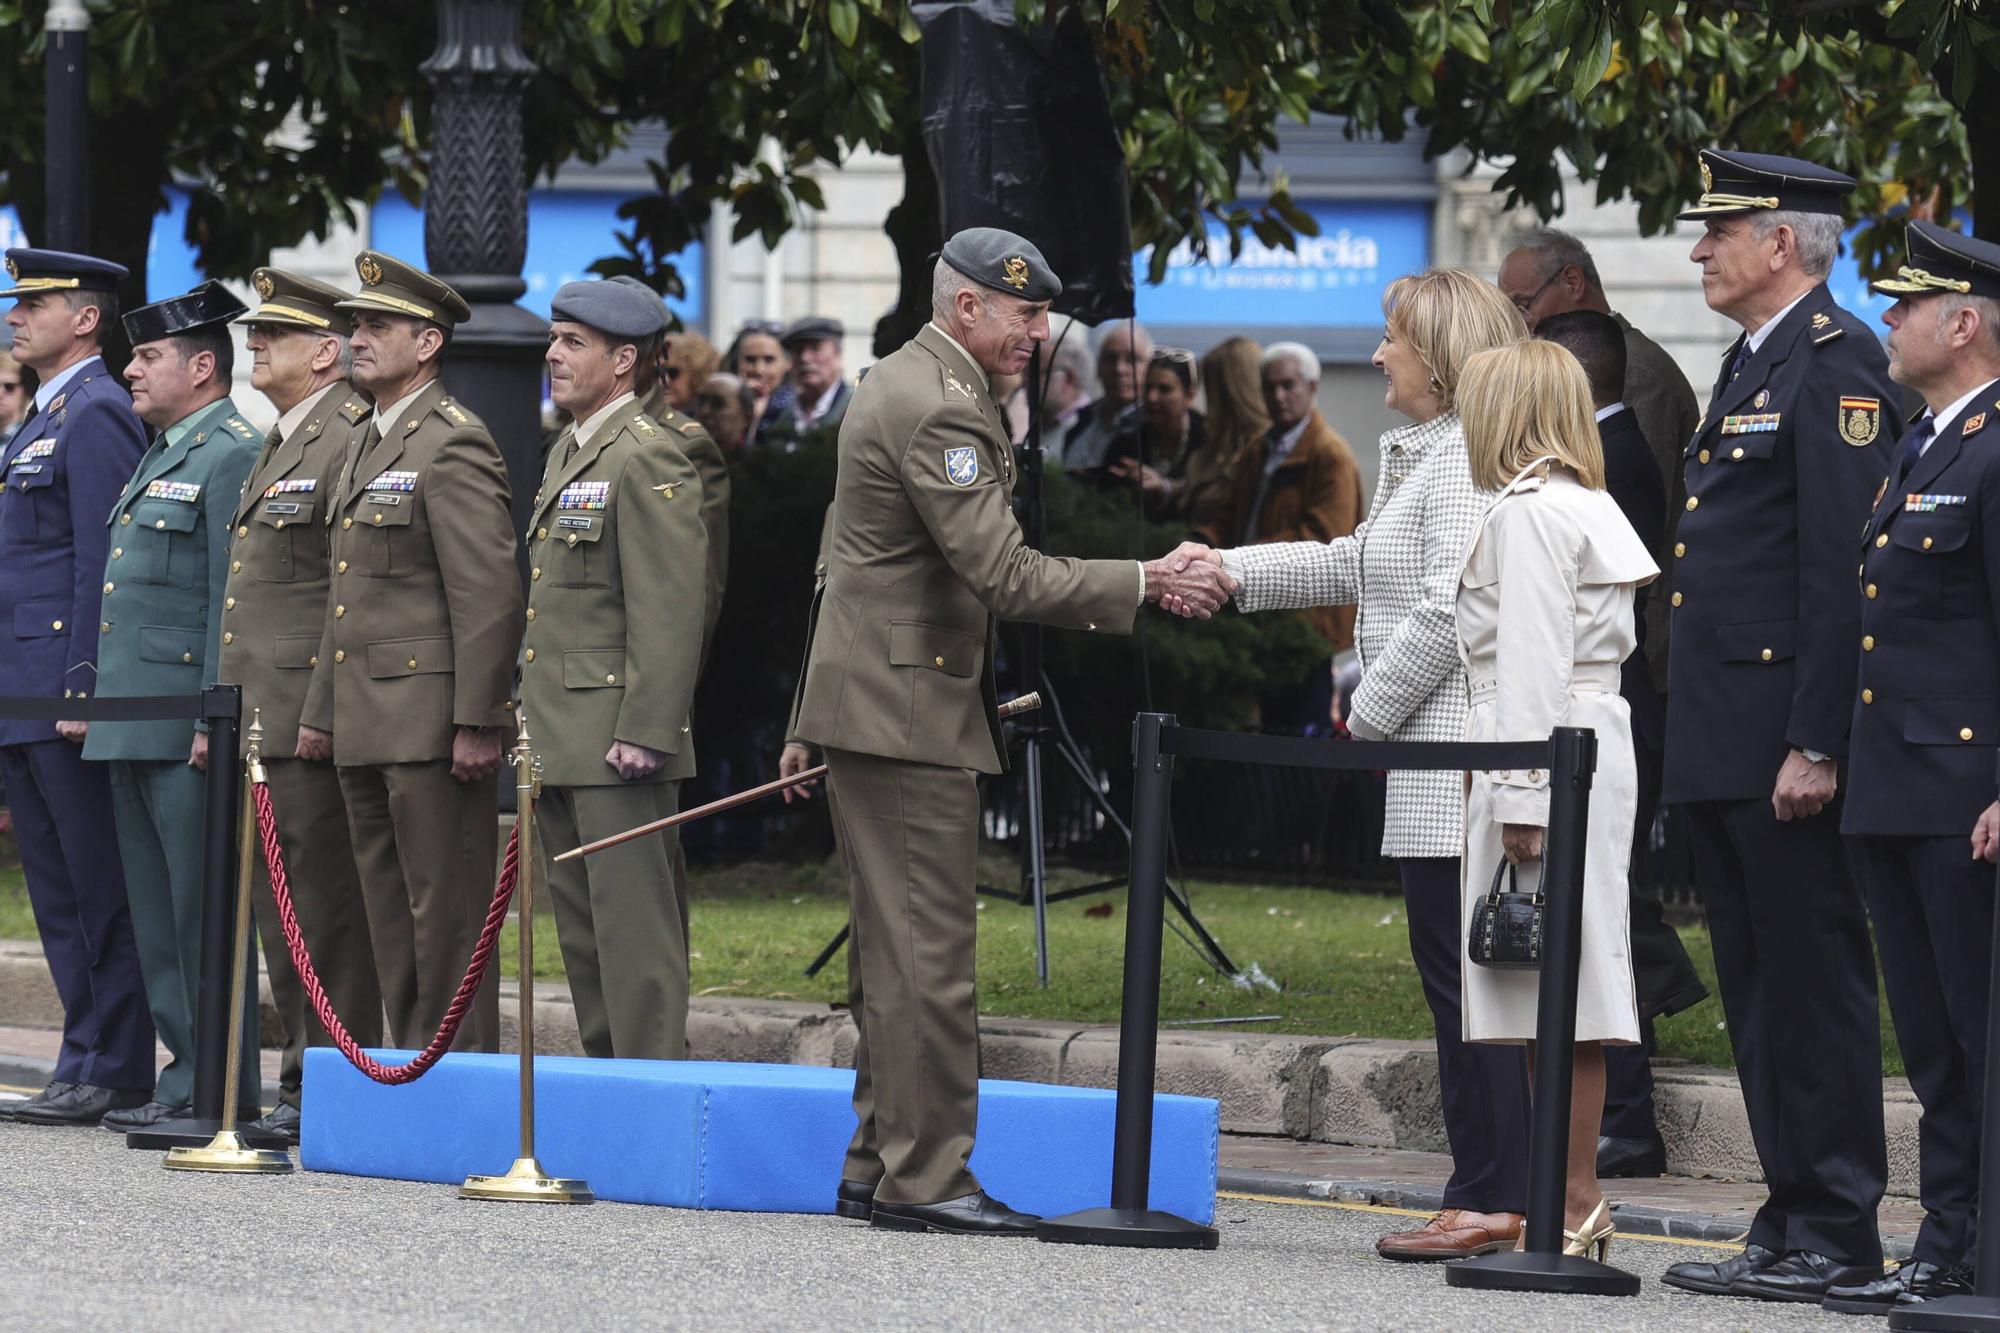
pixel 1189 581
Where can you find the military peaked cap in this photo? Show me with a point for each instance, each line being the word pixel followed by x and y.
pixel 621 309
pixel 1003 261
pixel 59 271
pixel 294 301
pixel 1942 260
pixel 210 303
pixel 390 286
pixel 1733 184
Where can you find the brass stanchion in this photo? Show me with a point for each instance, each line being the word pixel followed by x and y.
pixel 226 1151
pixel 525 1181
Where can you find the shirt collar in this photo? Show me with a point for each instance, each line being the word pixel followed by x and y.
pixel 586 429
pixel 177 432
pixel 53 385
pixel 825 403
pixel 386 416
pixel 1763 332
pixel 1611 410
pixel 1281 445
pixel 1952 410
pixel 290 422
pixel 960 346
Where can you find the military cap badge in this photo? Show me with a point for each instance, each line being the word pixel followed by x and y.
pixel 1014 272
pixel 13 269
pixel 370 271
pixel 1860 420
pixel 1707 177
pixel 265 287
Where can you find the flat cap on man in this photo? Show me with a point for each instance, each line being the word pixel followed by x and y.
pixel 1942 260
pixel 390 286
pixel 1733 184
pixel 59 271
pixel 1003 261
pixel 211 303
pixel 621 309
pixel 812 328
pixel 294 301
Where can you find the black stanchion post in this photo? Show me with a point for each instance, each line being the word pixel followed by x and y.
pixel 1128 1221
pixel 1980 1312
pixel 1543 1266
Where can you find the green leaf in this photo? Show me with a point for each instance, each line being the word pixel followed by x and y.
pixel 844 17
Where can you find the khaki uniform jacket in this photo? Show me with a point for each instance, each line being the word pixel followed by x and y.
pixel 693 440
pixel 924 555
pixel 274 610
pixel 615 602
pixel 425 610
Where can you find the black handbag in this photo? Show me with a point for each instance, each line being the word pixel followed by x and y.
pixel 1506 927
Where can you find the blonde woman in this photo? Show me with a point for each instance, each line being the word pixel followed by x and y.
pixel 1554 548
pixel 1401 568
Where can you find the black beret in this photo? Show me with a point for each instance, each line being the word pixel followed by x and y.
pixel 1733 184
pixel 1003 261
pixel 623 310
pixel 1942 260
pixel 207 304
pixel 59 270
pixel 813 328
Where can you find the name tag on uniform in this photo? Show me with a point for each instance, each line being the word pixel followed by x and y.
pixel 186 492
pixel 282 507
pixel 291 486
pixel 1751 423
pixel 1924 504
pixel 393 481
pixel 27 469
pixel 383 499
pixel 574 521
pixel 584 495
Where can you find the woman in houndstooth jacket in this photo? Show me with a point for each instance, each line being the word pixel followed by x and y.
pixel 1401 568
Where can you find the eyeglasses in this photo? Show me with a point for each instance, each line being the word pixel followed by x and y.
pixel 1526 303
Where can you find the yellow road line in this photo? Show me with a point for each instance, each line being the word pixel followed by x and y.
pixel 1413 1212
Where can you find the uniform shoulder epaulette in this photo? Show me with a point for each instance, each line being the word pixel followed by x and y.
pixel 241 427
pixel 454 412
pixel 355 408
pixel 644 425
pixel 692 428
pixel 956 389
pixel 1825 330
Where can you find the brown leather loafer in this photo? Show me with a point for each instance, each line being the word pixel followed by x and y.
pixel 1453 1234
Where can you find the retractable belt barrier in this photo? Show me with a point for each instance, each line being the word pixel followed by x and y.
pixel 1570 756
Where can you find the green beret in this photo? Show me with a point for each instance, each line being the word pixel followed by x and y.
pixel 1003 261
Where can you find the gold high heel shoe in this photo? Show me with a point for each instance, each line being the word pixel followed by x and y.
pixel 1595 1234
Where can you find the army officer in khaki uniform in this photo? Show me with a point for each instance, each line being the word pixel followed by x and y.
pixel 924 555
pixel 273 614
pixel 415 664
pixel 613 648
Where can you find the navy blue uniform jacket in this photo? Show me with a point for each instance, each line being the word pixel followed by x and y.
pixel 63 471
pixel 1780 475
pixel 1927 714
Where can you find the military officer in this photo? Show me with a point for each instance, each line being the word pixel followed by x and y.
pixel 924 556
pixel 608 674
pixel 410 697
pixel 273 613
pixel 1760 691
pixel 1925 732
pixel 63 469
pixel 161 633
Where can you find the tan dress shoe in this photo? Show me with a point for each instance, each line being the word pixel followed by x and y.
pixel 1453 1234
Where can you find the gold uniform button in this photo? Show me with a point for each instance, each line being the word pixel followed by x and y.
pixel 541 533
pixel 1703 455
pixel 1736 453
pixel 187 657
pixel 122 518
pixel 1677 599
pixel 1883 541
pixel 339 656
pixel 228 603
pixel 346 523
pixel 1680 549
pixel 572 539
pixel 104 628
pixel 531 654
pixel 378 517
pixel 413 664
pixel 339 612
pixel 280 525
pixel 240 531
pixel 1927 542
pixel 1871 592
pixel 940 661
pixel 610 678
pixel 1868 696
pixel 1693 502
pixel 313 661
pixel 236 566
pixel 1766 654
pixel 228 638
pixel 56 625
pixel 531 613
pixel 1868 643
pixel 109 587
pixel 117 552
pixel 340 568
pixel 1965 733
pixel 534 573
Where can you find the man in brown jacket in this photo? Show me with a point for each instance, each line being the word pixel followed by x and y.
pixel 417 656
pixel 274 612
pixel 1299 483
pixel 923 556
pixel 613 649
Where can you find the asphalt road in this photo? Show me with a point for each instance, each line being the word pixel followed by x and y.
pixel 95 1236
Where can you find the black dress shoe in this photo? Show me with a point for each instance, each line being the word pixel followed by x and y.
pixel 281 1123
pixel 974 1215
pixel 1953 1281
pixel 854 1199
pixel 1800 1276
pixel 79 1104
pixel 1628 1159
pixel 42 1098
pixel 1878 1295
pixel 142 1117
pixel 1715 1279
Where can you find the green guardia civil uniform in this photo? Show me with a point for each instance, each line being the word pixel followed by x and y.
pixel 161 633
pixel 274 613
pixel 423 624
pixel 611 654
pixel 924 556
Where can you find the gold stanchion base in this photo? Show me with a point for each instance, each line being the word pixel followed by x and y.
pixel 226 1153
pixel 526 1182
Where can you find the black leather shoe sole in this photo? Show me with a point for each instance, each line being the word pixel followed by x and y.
pixel 1855 1305
pixel 855 1208
pixel 1750 1288
pixel 1696 1285
pixel 893 1222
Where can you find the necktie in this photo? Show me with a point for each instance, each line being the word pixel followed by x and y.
pixel 372 438
pixel 1742 357
pixel 569 451
pixel 1912 448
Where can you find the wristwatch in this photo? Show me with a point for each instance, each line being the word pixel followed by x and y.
pixel 1815 757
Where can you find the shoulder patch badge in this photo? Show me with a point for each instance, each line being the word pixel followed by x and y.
pixel 961 466
pixel 1860 420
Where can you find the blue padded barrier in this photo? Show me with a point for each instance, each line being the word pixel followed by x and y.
pixel 704 1134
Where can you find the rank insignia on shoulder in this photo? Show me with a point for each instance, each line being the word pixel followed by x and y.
pixel 645 426
pixel 1821 320
pixel 1751 423
pixel 1924 504
pixel 951 382
pixel 961 466
pixel 355 410
pixel 241 427
pixel 690 428
pixel 1825 330
pixel 1976 421
pixel 1860 420
pixel 453 410
pixel 56 403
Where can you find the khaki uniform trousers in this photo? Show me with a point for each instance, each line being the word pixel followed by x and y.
pixel 326 897
pixel 910 835
pixel 621 916
pixel 426 846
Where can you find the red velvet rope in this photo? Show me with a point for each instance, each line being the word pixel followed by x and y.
pixel 461 1003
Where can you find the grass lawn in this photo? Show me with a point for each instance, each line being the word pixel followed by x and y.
pixel 1342 960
